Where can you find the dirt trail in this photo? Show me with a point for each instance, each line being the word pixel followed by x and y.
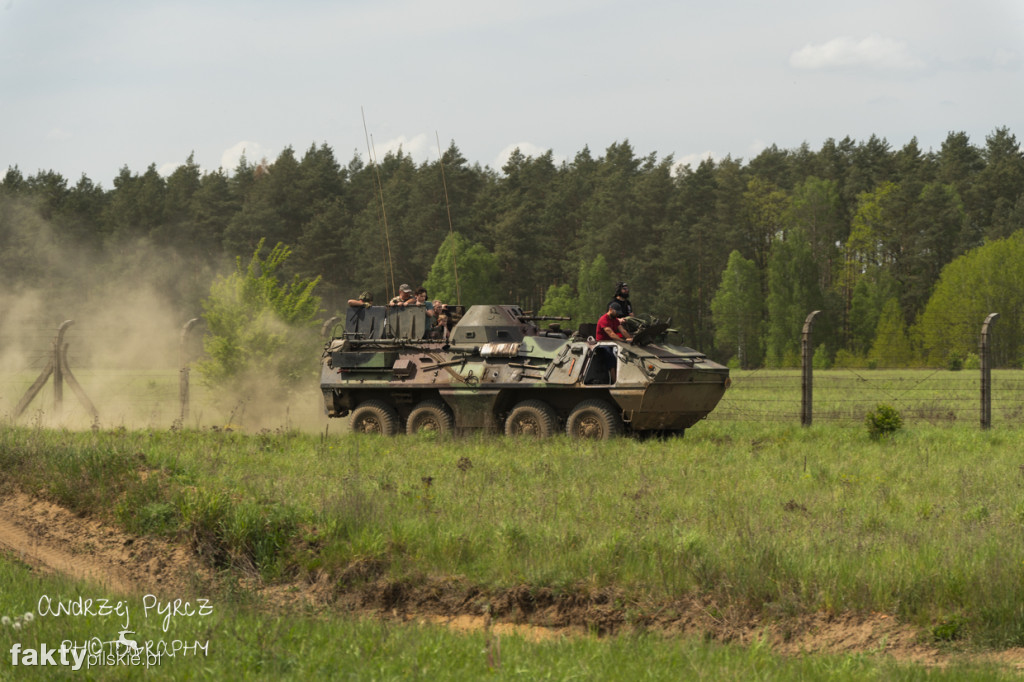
pixel 51 538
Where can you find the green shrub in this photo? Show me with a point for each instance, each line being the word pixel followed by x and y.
pixel 822 359
pixel 950 629
pixel 883 421
pixel 257 324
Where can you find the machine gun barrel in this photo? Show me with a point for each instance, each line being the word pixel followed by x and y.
pixel 542 318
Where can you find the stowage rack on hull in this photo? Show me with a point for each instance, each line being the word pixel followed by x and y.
pixel 493 368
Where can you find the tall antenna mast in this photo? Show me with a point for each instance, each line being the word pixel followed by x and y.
pixel 451 230
pixel 389 265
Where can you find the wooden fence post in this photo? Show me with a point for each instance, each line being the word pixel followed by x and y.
pixel 985 351
pixel 183 359
pixel 58 370
pixel 58 367
pixel 807 361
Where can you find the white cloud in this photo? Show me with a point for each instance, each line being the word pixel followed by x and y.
pixel 1006 59
pixel 419 147
pixel 694 160
pixel 58 134
pixel 254 153
pixel 527 149
pixel 875 52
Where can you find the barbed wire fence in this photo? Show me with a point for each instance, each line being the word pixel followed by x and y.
pixel 132 375
pixel 158 392
pixel 959 391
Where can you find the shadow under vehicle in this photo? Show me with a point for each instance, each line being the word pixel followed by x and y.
pixel 493 368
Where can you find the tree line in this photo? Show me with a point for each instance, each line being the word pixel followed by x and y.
pixel 735 252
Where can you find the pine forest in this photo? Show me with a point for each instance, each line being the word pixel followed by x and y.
pixel 903 250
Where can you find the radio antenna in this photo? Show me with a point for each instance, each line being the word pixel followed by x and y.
pixel 389 266
pixel 451 230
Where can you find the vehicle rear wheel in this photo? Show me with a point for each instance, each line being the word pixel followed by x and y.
pixel 593 419
pixel 375 416
pixel 430 416
pixel 531 418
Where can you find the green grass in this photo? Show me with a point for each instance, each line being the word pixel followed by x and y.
pixel 242 641
pixel 774 521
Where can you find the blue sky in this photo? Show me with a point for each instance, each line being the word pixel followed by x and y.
pixel 89 87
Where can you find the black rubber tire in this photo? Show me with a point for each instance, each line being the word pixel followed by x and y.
pixel 593 419
pixel 430 416
pixel 531 418
pixel 375 416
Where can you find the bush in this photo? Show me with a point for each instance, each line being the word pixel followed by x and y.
pixel 821 359
pixel 883 421
pixel 258 326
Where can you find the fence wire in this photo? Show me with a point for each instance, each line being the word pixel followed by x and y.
pixel 150 397
pixel 846 396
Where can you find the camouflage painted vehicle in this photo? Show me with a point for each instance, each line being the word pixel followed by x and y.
pixel 493 368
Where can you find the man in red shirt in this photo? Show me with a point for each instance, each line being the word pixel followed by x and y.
pixel 610 328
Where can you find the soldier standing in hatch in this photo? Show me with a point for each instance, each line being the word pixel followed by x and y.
pixel 608 329
pixel 365 300
pixel 630 322
pixel 404 297
pixel 421 299
pixel 622 298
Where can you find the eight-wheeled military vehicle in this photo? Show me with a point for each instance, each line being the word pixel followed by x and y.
pixel 492 367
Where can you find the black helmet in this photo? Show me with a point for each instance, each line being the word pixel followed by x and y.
pixel 622 289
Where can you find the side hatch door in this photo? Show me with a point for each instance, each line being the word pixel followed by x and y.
pixel 570 363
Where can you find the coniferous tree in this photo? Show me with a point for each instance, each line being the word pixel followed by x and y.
pixel 816 210
pixel 1000 183
pixel 891 347
pixel 792 293
pixel 869 296
pixel 738 309
pixel 595 287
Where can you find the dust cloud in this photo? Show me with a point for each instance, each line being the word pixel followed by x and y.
pixel 124 310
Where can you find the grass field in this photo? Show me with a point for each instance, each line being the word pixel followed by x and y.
pixel 774 521
pixel 240 640
pixel 760 520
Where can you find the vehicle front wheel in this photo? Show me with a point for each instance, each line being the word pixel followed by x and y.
pixel 375 416
pixel 531 418
pixel 430 416
pixel 593 419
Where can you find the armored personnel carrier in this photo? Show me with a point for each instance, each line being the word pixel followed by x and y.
pixel 493 368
